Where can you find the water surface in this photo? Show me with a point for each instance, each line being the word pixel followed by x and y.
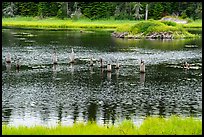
pixel 43 94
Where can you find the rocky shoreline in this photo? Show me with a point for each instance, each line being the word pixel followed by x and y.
pixel 154 35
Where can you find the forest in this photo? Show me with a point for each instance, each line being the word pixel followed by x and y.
pixel 103 10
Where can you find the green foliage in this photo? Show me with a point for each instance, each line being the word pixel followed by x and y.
pixel 189 20
pixel 61 13
pixel 173 125
pixel 183 15
pixel 144 28
pixel 169 23
pixel 106 10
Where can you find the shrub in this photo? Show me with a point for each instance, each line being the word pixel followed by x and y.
pixel 161 29
pixel 144 25
pixel 169 23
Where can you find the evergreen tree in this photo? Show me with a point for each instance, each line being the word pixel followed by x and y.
pixel 137 8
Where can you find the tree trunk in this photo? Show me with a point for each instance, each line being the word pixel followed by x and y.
pixel 12 9
pixel 67 9
pixel 146 14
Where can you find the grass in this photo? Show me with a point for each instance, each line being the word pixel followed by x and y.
pixel 144 28
pixel 135 28
pixel 31 22
pixel 194 24
pixel 173 125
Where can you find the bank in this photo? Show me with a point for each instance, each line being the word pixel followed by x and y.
pixel 173 125
pixel 87 24
pixel 154 29
pixel 58 24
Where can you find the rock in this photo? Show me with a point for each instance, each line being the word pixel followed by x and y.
pixel 174 20
pixel 191 46
pixel 153 35
pixel 119 35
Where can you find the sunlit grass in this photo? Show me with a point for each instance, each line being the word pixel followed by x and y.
pixel 58 23
pixel 139 28
pixel 143 28
pixel 194 24
pixel 174 125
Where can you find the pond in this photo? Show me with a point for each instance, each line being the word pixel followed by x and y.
pixel 43 94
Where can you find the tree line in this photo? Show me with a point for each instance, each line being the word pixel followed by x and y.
pixel 103 10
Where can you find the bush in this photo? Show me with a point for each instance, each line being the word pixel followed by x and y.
pixel 169 23
pixel 147 27
pixel 161 29
pixel 143 26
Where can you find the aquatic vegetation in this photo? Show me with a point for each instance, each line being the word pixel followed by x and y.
pixel 174 125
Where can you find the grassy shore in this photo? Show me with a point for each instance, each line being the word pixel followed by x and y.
pixel 54 23
pixel 151 126
pixel 34 22
pixel 157 29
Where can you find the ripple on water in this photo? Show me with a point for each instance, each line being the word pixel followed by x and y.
pixel 42 95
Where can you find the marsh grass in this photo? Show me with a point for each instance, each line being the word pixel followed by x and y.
pixel 144 28
pixel 32 22
pixel 173 125
pixel 140 28
pixel 194 24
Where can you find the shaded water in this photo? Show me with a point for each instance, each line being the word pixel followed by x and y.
pixel 43 94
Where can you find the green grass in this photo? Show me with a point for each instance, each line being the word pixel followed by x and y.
pixel 144 28
pixel 139 28
pixel 31 22
pixel 194 24
pixel 174 125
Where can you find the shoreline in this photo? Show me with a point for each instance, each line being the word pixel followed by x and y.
pixel 159 125
pixel 119 29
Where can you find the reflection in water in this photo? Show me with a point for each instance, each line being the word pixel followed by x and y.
pixel 8 66
pixel 75 112
pixel 60 108
pixel 91 69
pixel 142 78
pixel 17 70
pixel 54 69
pixel 82 96
pixel 109 75
pixel 117 73
pixel 8 58
pixel 72 68
pixel 102 73
pixel 18 64
pixel 54 57
pixel 92 109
